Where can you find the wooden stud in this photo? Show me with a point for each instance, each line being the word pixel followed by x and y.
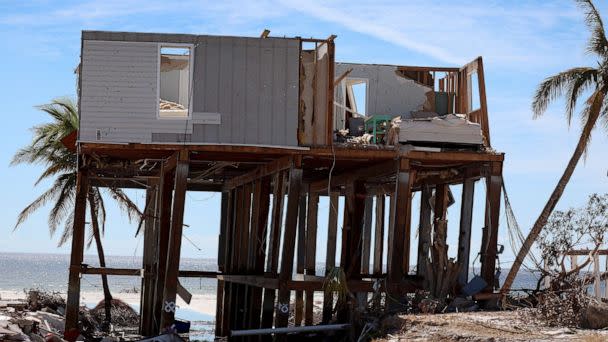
pixel 230 262
pixel 175 242
pixel 289 241
pixel 221 261
pixel 73 300
pixel 464 239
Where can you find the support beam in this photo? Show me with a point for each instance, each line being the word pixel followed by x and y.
pixel 398 259
pixel 73 300
pixel 289 241
pixel 424 230
pixel 301 256
pixel 164 212
pixel 311 252
pixel 464 239
pixel 274 238
pixel 175 241
pixel 490 235
pixel 379 234
pixel 221 262
pixel 367 234
pixel 260 172
pixel 146 315
pixel 330 258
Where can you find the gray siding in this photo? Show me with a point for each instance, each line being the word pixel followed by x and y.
pixel 387 93
pixel 252 83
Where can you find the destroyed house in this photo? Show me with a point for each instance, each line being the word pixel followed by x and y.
pixel 276 125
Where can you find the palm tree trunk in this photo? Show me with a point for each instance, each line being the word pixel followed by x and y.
pixel 102 260
pixel 541 221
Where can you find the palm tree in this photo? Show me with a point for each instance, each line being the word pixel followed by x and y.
pixel 572 84
pixel 46 149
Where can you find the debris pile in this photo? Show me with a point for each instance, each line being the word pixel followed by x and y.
pixel 40 317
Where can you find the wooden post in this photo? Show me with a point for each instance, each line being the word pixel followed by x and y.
pixel 261 202
pixel 146 326
pixel 164 213
pixel 311 252
pixel 230 262
pixel 221 262
pixel 424 231
pixel 489 249
pixel 289 241
pixel 398 259
pixel 379 234
pixel 301 257
pixel 175 241
pixel 440 249
pixel 330 258
pixel 464 239
pixel 244 215
pixel 367 235
pixel 73 300
pixel 278 194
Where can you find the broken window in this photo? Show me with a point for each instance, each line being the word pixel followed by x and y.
pixel 175 82
pixel 356 95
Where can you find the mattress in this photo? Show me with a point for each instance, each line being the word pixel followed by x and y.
pixel 451 128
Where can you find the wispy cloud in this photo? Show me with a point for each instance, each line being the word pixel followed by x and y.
pixel 454 33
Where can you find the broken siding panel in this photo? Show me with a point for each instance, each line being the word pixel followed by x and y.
pixel 320 97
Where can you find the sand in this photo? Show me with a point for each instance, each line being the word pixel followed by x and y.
pixel 204 304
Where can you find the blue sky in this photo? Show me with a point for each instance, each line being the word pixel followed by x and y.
pixel 521 43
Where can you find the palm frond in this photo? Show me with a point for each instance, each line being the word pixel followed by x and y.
pixel 597 42
pixel 68 228
pixel 37 203
pixel 553 87
pixel 64 203
pixel 586 78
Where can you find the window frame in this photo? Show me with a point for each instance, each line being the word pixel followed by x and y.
pixel 160 46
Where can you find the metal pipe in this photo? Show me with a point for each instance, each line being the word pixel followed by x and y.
pixel 286 330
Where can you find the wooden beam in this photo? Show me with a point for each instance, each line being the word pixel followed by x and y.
pixel 379 233
pixel 278 194
pixel 330 258
pixel 311 252
pixel 398 259
pixel 490 233
pixel 223 321
pixel 73 300
pixel 138 272
pixel 146 316
pixel 289 240
pixel 453 156
pixel 300 256
pixel 464 238
pixel 424 230
pixel 342 77
pixel 367 234
pixel 260 172
pixel 164 213
pixel 374 171
pixel 175 242
pixel 427 68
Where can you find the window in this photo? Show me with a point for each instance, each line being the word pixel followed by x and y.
pixel 175 82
